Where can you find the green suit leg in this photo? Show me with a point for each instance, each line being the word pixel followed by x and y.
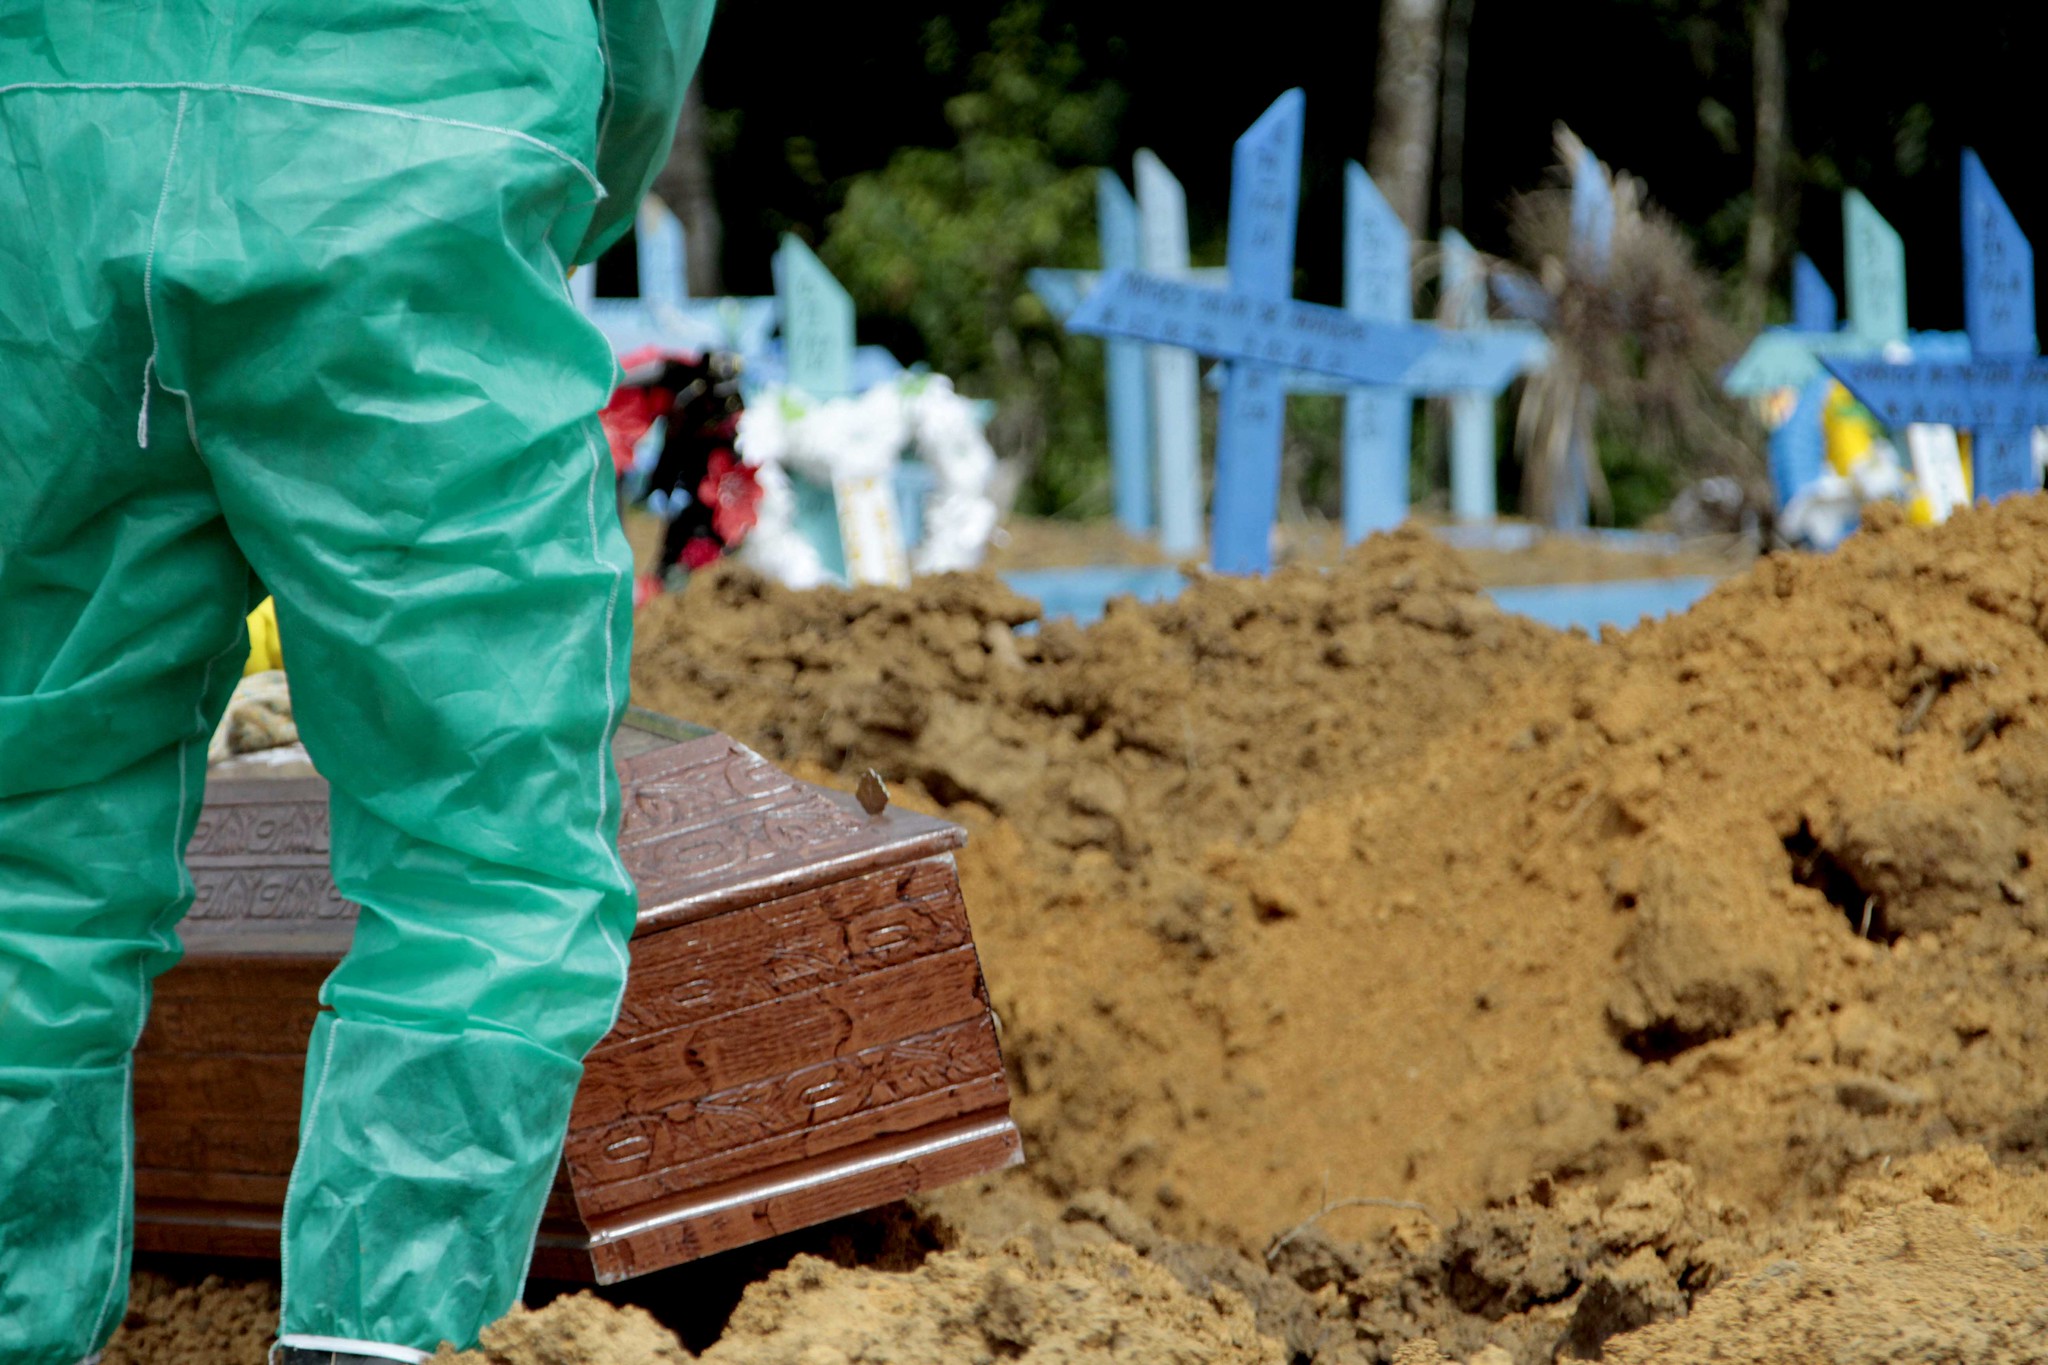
pixel 396 399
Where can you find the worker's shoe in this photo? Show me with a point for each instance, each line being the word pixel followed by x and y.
pixel 331 1351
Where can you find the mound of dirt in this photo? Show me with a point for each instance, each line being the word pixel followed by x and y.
pixel 1347 885
pixel 1736 885
pixel 1144 737
pixel 1937 1259
pixel 1123 766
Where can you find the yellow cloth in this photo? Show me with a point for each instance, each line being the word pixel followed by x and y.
pixel 266 652
pixel 1850 430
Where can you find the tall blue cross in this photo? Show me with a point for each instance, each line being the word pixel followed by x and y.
pixel 817 327
pixel 1378 423
pixel 1875 266
pixel 1265 197
pixel 2000 394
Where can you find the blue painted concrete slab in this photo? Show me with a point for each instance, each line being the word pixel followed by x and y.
pixel 1589 606
pixel 1082 594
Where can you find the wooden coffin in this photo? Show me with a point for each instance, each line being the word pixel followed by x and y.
pixel 805 1031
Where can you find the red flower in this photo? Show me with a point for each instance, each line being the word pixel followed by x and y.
pixel 733 494
pixel 626 419
pixel 699 551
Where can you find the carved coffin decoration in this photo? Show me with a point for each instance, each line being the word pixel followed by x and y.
pixel 805 1032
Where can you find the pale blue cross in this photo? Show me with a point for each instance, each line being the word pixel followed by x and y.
pixel 1154 407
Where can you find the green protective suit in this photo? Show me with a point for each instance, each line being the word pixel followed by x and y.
pixel 282 296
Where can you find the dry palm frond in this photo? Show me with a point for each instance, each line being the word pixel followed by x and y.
pixel 1640 346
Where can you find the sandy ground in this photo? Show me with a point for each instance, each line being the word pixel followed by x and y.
pixel 1385 976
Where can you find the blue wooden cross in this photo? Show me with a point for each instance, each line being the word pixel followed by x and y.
pixel 1264 205
pixel 1170 391
pixel 1265 196
pixel 817 328
pixel 1176 396
pixel 1789 358
pixel 1378 421
pixel 2000 394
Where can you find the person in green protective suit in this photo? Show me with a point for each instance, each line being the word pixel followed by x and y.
pixel 282 298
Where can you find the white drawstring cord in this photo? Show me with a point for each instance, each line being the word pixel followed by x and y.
pixel 149 271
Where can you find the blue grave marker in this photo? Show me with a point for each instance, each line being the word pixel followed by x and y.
pixel 1176 397
pixel 663 266
pixel 1305 338
pixel 1998 270
pixel 1874 261
pixel 1376 421
pixel 817 323
pixel 662 314
pixel 1875 270
pixel 1462 305
pixel 1274 349
pixel 1813 302
pixel 2001 393
pixel 1782 358
pixel 1128 365
pixel 1130 414
pixel 1265 192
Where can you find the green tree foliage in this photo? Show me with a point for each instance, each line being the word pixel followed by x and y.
pixel 940 239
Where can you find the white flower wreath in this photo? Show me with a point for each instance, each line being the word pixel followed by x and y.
pixel 785 431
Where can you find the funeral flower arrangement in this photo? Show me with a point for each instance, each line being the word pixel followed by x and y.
pixel 671 428
pixel 786 435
